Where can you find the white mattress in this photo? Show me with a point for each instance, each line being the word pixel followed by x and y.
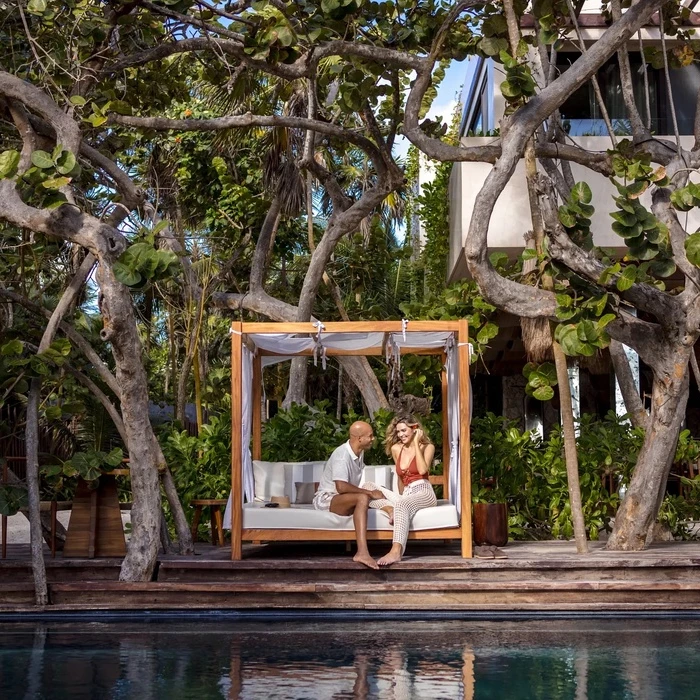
pixel 305 517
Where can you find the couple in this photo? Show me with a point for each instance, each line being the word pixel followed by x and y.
pixel 339 490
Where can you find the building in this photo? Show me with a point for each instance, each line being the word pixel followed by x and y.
pixel 503 390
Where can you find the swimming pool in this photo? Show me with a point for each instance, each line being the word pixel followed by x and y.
pixel 528 659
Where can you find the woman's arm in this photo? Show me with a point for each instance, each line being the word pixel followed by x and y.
pixel 424 453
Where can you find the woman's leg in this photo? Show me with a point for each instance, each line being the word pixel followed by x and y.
pixel 387 503
pixel 405 508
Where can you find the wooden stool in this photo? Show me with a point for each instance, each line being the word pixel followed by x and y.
pixel 217 530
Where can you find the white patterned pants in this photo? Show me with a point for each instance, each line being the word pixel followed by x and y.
pixel 415 496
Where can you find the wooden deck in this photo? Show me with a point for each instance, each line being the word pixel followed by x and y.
pixel 536 576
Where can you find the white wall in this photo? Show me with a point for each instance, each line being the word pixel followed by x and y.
pixel 511 217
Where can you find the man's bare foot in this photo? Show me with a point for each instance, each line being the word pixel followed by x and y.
pixel 389 510
pixel 389 559
pixel 366 560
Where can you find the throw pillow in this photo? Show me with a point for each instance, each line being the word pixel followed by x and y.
pixel 305 491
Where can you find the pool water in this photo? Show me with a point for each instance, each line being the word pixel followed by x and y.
pixel 528 659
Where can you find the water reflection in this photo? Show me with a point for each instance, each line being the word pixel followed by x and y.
pixel 528 660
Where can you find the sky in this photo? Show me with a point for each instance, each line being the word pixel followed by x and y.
pixel 449 94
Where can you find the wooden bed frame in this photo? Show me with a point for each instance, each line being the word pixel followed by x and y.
pixel 238 338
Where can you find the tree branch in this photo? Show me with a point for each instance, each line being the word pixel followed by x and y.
pixel 246 121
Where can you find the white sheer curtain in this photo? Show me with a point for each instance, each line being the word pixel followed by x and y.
pixel 453 421
pixel 246 431
pixel 453 424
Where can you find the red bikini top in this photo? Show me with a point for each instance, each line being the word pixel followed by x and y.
pixel 411 474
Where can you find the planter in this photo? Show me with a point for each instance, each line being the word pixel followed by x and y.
pixel 490 523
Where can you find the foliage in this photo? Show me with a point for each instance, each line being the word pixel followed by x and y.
pixel 89 465
pixel 540 380
pixel 302 433
pixel 311 433
pixel 13 498
pixel 460 300
pixel 530 475
pixel 433 209
pixel 200 465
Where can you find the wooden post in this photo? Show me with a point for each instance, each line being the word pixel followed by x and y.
pixel 445 431
pixel 236 442
pixel 464 438
pixel 54 515
pixel 257 407
pixel 4 517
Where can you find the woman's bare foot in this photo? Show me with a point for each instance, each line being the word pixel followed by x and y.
pixel 393 557
pixel 389 510
pixel 366 560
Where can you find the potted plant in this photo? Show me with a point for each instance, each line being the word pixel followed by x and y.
pixel 490 514
pixel 499 454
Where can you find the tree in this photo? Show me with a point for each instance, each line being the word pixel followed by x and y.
pixel 367 72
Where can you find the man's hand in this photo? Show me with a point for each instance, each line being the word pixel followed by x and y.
pixel 377 495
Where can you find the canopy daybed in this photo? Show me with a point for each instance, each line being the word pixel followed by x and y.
pixel 255 345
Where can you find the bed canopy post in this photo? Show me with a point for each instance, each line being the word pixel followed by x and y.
pixel 445 430
pixel 236 441
pixel 257 407
pixel 464 438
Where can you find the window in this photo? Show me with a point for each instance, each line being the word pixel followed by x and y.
pixel 581 113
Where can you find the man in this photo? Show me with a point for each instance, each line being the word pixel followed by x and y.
pixel 339 488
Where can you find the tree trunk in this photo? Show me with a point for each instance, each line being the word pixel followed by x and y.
pixel 41 592
pixel 298 374
pixel 570 453
pixel 69 295
pixel 636 516
pixel 121 331
pixel 628 389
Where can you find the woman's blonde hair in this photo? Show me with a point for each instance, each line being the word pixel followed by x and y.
pixel 391 435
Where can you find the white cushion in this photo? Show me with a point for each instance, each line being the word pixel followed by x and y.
pixel 269 479
pixel 300 472
pixel 305 517
pixel 380 475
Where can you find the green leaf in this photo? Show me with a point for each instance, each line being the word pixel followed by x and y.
pixel 692 248
pixel 683 199
pixel 529 368
pixel 492 46
pixel 587 331
pixel 13 347
pixel 490 330
pixel 567 217
pixel 497 259
pixel 55 183
pixel 624 218
pixel 65 163
pixel 126 275
pixel 77 100
pixel 114 458
pixel 663 268
pixel 636 189
pixel 567 337
pixel 528 254
pixel 37 7
pixel 327 6
pixel 543 393
pixel 118 106
pixel 42 159
pixel 581 192
pixel 96 119
pixel 12 499
pixel 627 278
pixel 9 160
pixel 510 90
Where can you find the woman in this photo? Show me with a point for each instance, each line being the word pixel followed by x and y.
pixel 413 454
